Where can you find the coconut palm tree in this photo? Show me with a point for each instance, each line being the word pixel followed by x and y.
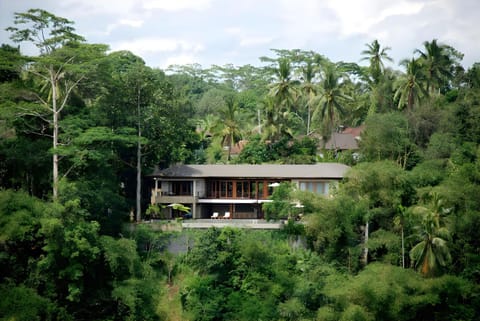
pixel 410 86
pixel 284 91
pixel 431 254
pixel 229 124
pixel 437 61
pixel 276 123
pixel 309 89
pixel 399 222
pixel 376 56
pixel 331 97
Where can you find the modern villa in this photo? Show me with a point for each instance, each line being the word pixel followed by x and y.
pixel 235 191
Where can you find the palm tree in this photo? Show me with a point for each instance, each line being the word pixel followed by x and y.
pixel 309 89
pixel 409 86
pixel 281 98
pixel 331 97
pixel 399 222
pixel 276 124
pixel 229 124
pixel 376 55
pixel 284 91
pixel 431 253
pixel 438 61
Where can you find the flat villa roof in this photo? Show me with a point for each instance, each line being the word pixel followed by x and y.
pixel 276 171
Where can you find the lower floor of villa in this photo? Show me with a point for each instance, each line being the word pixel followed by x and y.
pixel 212 210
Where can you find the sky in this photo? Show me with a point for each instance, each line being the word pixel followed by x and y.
pixel 220 32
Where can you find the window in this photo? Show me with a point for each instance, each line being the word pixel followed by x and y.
pixel 253 189
pixel 182 188
pixel 314 186
pixel 220 189
pixel 243 189
pixel 260 191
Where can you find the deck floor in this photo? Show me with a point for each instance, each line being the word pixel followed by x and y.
pixel 237 223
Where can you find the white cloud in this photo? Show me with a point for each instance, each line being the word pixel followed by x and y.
pixel 360 16
pixel 99 7
pixel 247 39
pixel 304 22
pixel 255 41
pixel 176 5
pixel 135 23
pixel 183 59
pixel 156 45
pixel 234 31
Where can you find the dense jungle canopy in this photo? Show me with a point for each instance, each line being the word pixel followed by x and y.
pixel 81 126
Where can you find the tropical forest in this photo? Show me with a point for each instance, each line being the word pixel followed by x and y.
pixel 82 128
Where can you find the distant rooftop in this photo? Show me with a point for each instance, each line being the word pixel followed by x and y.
pixel 276 171
pixel 354 131
pixel 341 141
pixel 345 140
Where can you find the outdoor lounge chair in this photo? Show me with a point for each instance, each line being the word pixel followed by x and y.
pixel 227 215
pixel 215 215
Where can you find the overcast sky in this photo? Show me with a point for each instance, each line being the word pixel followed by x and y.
pixel 165 32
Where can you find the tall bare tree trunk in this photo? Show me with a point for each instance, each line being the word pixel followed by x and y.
pixel 308 120
pixel 403 250
pixel 139 178
pixel 259 122
pixel 139 163
pixel 365 250
pixel 55 134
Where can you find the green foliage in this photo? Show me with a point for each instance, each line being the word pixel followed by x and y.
pixel 255 152
pixel 464 247
pixel 211 102
pixel 69 252
pixel 438 61
pixel 330 230
pixel 10 63
pixel 26 173
pixel 387 137
pixel 24 304
pixel 466 117
pixel 375 55
pixel 282 205
pixel 385 246
pixel 384 292
pixel 121 256
pixel 292 309
pixel 285 151
pixel 302 151
pixel 242 270
pixel 331 99
pixel 410 87
pixel 441 145
pixel 425 121
pixel 381 185
pixel 49 253
pixel 428 173
pixel 46 30
pixel 473 76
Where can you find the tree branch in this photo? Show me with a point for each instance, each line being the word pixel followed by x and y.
pixel 59 71
pixel 37 133
pixel 67 93
pixel 68 171
pixel 34 114
pixel 44 103
pixel 38 74
pixel 127 163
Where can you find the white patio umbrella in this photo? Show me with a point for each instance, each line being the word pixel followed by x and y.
pixel 180 207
